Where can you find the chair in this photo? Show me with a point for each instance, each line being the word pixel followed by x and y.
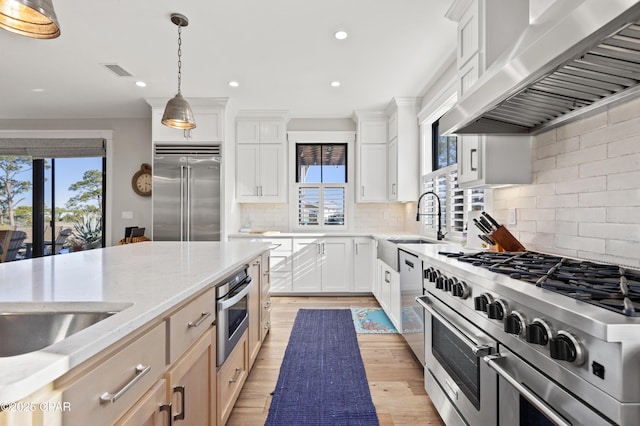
pixel 58 243
pixel 11 243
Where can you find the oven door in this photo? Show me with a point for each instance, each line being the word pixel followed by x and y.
pixel 233 318
pixel 460 383
pixel 529 398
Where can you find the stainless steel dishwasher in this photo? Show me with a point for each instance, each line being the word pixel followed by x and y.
pixel 412 313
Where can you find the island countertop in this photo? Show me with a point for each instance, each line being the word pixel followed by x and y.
pixel 144 280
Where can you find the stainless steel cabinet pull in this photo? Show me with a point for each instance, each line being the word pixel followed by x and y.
pixel 362 191
pixel 356 244
pixel 473 151
pixel 236 376
pixel 181 414
pixel 452 388
pixel 107 397
pixel 556 418
pixel 393 189
pixel 387 276
pixel 203 316
pixel 167 408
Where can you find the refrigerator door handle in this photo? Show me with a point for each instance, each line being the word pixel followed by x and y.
pixel 182 196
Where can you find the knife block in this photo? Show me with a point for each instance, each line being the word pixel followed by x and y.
pixel 506 240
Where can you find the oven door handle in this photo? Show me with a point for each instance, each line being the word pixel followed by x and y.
pixel 226 304
pixel 478 350
pixel 538 403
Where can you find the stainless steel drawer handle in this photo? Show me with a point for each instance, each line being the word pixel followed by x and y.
pixel 167 408
pixel 203 316
pixel 452 389
pixel 541 405
pixel 236 376
pixel 107 397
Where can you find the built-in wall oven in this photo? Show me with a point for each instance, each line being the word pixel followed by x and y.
pixel 232 311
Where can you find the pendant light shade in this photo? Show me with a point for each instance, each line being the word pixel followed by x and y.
pixel 30 18
pixel 177 113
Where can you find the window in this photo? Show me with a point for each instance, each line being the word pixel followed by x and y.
pixel 321 178
pixel 455 202
pixel 444 148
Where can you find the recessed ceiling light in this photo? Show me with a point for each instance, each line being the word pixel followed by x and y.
pixel 335 83
pixel 141 84
pixel 340 35
pixel 37 90
pixel 234 83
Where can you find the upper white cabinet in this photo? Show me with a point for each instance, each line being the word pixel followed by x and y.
pixel 486 161
pixel 371 158
pixel 403 150
pixel 483 34
pixel 208 114
pixel 261 159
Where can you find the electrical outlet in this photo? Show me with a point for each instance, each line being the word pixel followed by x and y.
pixel 385 215
pixel 127 215
pixel 512 220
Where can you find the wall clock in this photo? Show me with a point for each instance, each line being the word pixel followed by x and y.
pixel 141 180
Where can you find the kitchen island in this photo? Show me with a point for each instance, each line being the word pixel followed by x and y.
pixel 143 283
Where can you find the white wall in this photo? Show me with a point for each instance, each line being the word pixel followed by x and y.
pixel 585 197
pixel 131 147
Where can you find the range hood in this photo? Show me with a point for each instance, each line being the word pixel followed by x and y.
pixel 557 71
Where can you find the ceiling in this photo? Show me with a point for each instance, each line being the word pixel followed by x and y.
pixel 282 52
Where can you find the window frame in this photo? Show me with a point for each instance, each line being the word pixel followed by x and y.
pixel 321 137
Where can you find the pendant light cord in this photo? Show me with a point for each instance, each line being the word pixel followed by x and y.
pixel 179 57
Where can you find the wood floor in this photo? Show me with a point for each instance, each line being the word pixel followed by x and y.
pixel 395 377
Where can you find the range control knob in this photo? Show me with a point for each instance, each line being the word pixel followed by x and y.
pixel 430 274
pixel 497 310
pixel 538 332
pixel 480 302
pixel 440 282
pixel 566 347
pixel 515 323
pixel 449 283
pixel 461 290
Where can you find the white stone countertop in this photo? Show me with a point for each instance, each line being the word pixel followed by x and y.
pixel 144 280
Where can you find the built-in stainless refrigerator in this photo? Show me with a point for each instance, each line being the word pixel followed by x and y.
pixel 186 193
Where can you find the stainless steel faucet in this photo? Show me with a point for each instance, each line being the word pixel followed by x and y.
pixel 440 235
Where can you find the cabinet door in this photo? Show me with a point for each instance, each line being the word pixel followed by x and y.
pixel 191 384
pixel 373 173
pixel 335 265
pixel 255 334
pixel 272 173
pixel 385 288
pixel 363 264
pixel 372 130
pixel 469 160
pixel 208 127
pixel 306 265
pixel 248 131
pixel 468 34
pixel 265 298
pixel 247 173
pixel 392 155
pixel 151 410
pixel 272 131
pixel 377 284
pixel 395 309
pixel 230 378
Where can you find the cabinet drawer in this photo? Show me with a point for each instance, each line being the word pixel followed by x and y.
pixel 231 377
pixel 104 394
pixel 190 322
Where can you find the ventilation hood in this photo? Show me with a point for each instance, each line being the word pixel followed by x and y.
pixel 557 71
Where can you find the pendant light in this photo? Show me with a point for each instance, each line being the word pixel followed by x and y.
pixel 30 18
pixel 177 113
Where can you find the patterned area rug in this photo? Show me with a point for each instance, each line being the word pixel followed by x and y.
pixel 371 320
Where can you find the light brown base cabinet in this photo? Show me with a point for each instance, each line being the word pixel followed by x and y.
pixel 231 377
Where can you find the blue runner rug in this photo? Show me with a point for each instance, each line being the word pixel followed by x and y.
pixel 322 379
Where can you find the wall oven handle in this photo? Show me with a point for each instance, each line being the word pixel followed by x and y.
pixel 478 350
pixel 226 304
pixel 491 361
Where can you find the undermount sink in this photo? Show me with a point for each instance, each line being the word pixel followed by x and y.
pixel 24 331
pixel 410 241
pixel 388 248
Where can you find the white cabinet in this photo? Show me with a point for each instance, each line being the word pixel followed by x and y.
pixel 484 34
pixel 261 160
pixel 363 264
pixel 209 127
pixel 322 265
pixel 486 161
pixel 388 294
pixel 403 150
pixel 371 157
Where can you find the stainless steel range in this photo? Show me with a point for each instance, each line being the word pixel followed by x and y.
pixel 530 338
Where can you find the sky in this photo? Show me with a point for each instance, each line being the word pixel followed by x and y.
pixel 68 171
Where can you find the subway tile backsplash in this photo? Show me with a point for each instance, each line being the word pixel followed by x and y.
pixel 585 197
